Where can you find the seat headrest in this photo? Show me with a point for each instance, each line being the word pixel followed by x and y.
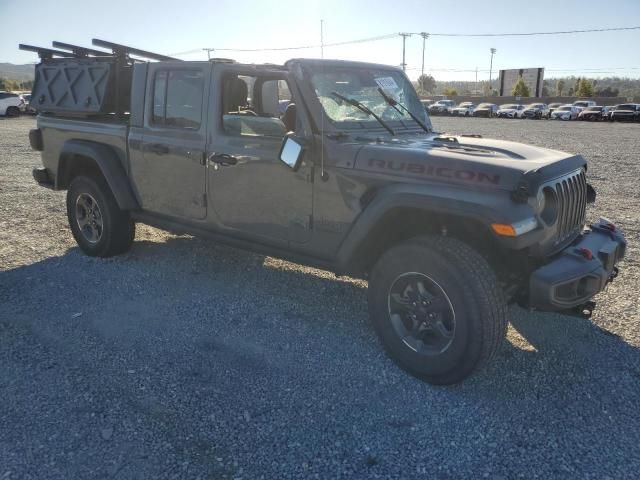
pixel 237 92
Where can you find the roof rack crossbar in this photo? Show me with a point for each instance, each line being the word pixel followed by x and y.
pixel 45 53
pixel 124 50
pixel 80 51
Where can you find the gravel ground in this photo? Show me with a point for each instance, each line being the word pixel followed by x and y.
pixel 184 359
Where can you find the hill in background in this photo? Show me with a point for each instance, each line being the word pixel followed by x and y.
pixel 19 73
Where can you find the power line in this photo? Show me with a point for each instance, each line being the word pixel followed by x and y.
pixel 394 35
pixel 524 34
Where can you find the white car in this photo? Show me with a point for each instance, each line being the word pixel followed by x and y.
pixel 511 110
pixel 441 107
pixel 465 109
pixel 582 104
pixel 11 104
pixel 565 112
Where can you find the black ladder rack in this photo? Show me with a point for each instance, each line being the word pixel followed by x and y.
pixel 79 51
pixel 81 81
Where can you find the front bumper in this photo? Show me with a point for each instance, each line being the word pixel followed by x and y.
pixel 580 271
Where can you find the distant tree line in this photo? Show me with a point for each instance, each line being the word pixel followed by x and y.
pixel 13 85
pixel 564 86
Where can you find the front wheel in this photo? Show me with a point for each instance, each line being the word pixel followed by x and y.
pixel 437 308
pixel 98 225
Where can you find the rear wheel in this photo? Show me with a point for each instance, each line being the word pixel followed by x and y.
pixel 98 225
pixel 13 112
pixel 437 308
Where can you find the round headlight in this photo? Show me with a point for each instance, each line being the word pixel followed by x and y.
pixel 549 210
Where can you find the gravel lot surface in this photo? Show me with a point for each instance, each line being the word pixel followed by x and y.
pixel 184 359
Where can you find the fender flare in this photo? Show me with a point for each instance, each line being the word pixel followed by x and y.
pixel 481 206
pixel 109 164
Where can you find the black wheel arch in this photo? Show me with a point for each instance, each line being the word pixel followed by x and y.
pixel 86 157
pixel 400 212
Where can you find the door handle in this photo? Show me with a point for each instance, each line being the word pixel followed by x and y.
pixel 158 148
pixel 223 159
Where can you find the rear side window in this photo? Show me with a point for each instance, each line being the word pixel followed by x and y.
pixel 177 98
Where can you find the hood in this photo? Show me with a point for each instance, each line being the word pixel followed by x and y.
pixel 464 160
pixel 507 109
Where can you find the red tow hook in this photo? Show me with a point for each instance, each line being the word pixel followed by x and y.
pixel 586 253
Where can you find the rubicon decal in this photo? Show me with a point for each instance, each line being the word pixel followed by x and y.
pixel 435 171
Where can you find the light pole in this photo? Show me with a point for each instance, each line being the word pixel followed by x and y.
pixel 404 40
pixel 493 52
pixel 321 38
pixel 424 38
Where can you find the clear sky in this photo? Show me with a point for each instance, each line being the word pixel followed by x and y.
pixel 171 27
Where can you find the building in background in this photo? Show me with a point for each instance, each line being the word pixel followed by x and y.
pixel 533 78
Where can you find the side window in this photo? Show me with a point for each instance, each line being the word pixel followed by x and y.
pixel 256 106
pixel 177 98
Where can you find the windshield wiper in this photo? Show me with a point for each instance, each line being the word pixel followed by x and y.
pixel 364 108
pixel 395 104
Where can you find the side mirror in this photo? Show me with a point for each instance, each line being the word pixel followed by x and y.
pixel 291 151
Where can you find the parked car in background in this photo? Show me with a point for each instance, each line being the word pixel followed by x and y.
pixel 427 102
pixel 592 113
pixel 626 112
pixel 606 113
pixel 10 104
pixel 552 107
pixel 442 107
pixel 510 110
pixel 465 109
pixel 582 104
pixel 486 110
pixel 536 111
pixel 565 112
pixel 26 97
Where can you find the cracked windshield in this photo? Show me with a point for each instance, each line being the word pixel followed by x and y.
pixel 336 88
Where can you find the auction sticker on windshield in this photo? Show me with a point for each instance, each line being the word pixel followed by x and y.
pixel 387 83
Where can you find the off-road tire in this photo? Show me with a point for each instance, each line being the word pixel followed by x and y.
pixel 470 284
pixel 118 229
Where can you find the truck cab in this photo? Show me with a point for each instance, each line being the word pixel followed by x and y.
pixel 333 164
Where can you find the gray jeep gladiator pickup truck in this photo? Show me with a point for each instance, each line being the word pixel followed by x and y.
pixel 349 177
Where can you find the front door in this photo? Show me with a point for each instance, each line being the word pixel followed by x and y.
pixel 171 174
pixel 251 191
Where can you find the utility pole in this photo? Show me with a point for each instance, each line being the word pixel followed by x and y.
pixel 321 38
pixel 208 50
pixel 404 39
pixel 493 52
pixel 476 87
pixel 424 39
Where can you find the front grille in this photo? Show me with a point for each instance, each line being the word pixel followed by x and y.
pixel 571 193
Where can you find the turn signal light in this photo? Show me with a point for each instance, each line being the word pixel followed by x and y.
pixel 505 230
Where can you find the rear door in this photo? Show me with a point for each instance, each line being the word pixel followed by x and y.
pixel 170 174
